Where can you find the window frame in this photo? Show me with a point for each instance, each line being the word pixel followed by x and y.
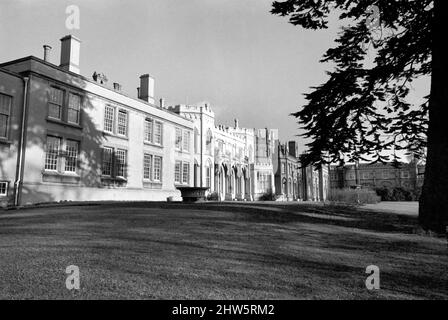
pixel 155 124
pixel 159 179
pixel 51 102
pixel 66 152
pixel 208 174
pixel 182 165
pixel 178 139
pixel 196 140
pixel 186 137
pixel 187 180
pixel 69 108
pixel 148 122
pixel 62 155
pixel 126 122
pixel 155 137
pixel 57 155
pixel 176 163
pixel 148 177
pixel 112 131
pixel 124 164
pixel 111 166
pixel 155 172
pixel 208 142
pixel 6 188
pixel 8 119
pixel 115 163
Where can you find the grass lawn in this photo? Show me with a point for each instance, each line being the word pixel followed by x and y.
pixel 217 251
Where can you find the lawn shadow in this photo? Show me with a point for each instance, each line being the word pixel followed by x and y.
pixel 333 215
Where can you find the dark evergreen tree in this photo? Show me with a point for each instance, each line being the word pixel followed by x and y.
pixel 362 109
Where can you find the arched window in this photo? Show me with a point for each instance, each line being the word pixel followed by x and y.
pixel 208 174
pixel 196 141
pixel 208 142
pixel 196 174
pixel 284 186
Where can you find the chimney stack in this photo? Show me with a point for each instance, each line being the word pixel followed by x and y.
pixel 162 103
pixel 236 123
pixel 47 51
pixel 146 87
pixel 70 50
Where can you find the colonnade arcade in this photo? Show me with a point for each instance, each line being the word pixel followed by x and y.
pixel 232 182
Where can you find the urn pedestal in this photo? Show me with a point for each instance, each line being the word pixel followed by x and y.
pixel 192 194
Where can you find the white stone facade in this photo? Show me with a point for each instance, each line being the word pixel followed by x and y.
pixel 228 160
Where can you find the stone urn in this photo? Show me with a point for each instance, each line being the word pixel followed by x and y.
pixel 192 194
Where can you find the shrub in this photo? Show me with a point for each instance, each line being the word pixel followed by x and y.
pixel 384 193
pixel 268 196
pixel 213 196
pixel 398 194
pixel 354 196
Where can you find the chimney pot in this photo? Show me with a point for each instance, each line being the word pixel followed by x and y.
pixel 47 50
pixel 162 103
pixel 117 86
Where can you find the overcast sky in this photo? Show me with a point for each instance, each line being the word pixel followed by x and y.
pixel 247 63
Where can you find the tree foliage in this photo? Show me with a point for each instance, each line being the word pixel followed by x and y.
pixel 362 109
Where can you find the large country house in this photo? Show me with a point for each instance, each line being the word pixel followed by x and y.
pixel 64 136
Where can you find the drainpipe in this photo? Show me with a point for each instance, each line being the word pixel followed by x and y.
pixel 202 153
pixel 19 172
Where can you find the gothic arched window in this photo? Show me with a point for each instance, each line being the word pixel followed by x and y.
pixel 196 141
pixel 208 142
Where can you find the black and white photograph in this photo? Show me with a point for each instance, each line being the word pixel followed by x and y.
pixel 223 156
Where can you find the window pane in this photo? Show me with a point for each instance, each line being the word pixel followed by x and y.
pixel 186 141
pixel 208 143
pixel 5 104
pixel 148 130
pixel 109 119
pixel 56 96
pixel 208 175
pixel 54 111
pixel 196 140
pixel 178 141
pixel 52 153
pixel 121 160
pixel 186 173
pixel 73 116
pixel 3 188
pixel 157 169
pixel 177 171
pixel 71 156
pixel 147 166
pixel 3 126
pixel 122 122
pixel 56 100
pixel 74 106
pixel 107 161
pixel 74 101
pixel 158 133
